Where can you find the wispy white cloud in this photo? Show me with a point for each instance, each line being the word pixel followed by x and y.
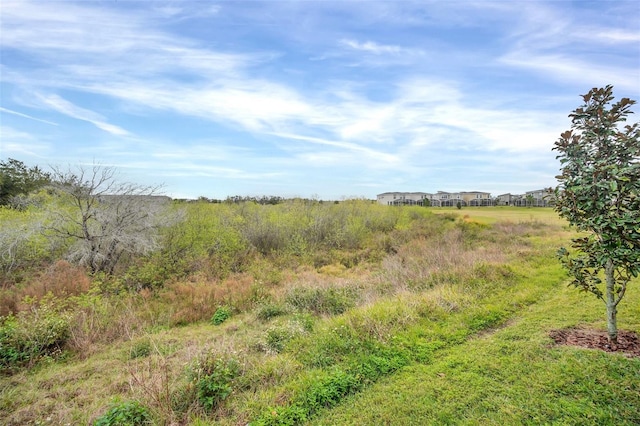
pixel 185 10
pixel 373 47
pixel 387 159
pixel 575 49
pixel 16 143
pixel 225 92
pixel 19 114
pixel 86 44
pixel 566 69
pixel 615 35
pixel 65 107
pixel 384 97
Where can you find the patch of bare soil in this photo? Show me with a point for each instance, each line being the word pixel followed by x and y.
pixel 628 341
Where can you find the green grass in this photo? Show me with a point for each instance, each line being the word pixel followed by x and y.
pixel 504 213
pixel 511 376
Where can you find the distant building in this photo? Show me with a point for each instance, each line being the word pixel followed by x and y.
pixel 537 198
pixel 508 200
pixel 477 198
pixel 449 199
pixel 403 198
pixel 541 197
pixel 440 199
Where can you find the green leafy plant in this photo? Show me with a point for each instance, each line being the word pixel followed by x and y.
pixel 277 337
pixel 221 314
pixel 129 413
pixel 599 193
pixel 31 335
pixel 213 376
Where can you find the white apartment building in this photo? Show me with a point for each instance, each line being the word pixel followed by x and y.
pixel 537 198
pixel 439 199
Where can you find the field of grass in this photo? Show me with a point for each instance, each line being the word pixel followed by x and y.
pixel 504 213
pixel 448 324
pixel 511 375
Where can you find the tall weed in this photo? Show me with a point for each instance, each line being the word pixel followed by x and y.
pixel 102 319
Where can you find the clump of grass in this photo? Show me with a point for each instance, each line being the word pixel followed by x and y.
pixel 141 349
pixel 277 337
pixel 320 389
pixel 323 390
pixel 101 319
pixel 334 270
pixel 321 301
pixel 269 310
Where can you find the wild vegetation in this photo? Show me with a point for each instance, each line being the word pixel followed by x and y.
pixel 306 311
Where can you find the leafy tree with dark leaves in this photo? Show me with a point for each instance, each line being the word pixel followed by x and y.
pixel 17 179
pixel 599 194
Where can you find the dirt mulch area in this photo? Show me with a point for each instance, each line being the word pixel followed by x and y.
pixel 628 341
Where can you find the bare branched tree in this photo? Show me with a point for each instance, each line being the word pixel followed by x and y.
pixel 104 219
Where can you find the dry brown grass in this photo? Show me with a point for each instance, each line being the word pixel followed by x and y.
pixel 196 301
pixel 60 279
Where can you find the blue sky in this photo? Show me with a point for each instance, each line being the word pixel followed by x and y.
pixel 308 98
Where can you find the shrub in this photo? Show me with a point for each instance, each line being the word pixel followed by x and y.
pixel 32 335
pixel 266 272
pixel 99 318
pixel 213 376
pixel 222 314
pixel 150 274
pixel 11 351
pixel 130 413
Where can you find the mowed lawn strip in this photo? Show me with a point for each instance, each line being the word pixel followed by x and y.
pixel 514 375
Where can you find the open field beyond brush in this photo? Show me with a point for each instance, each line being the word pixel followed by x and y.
pixel 333 314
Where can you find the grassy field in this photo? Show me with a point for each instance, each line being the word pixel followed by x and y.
pixel 450 327
pixel 511 375
pixel 504 213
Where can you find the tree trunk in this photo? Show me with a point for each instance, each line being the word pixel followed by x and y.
pixel 612 323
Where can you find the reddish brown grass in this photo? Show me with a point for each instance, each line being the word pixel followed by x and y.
pixel 60 279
